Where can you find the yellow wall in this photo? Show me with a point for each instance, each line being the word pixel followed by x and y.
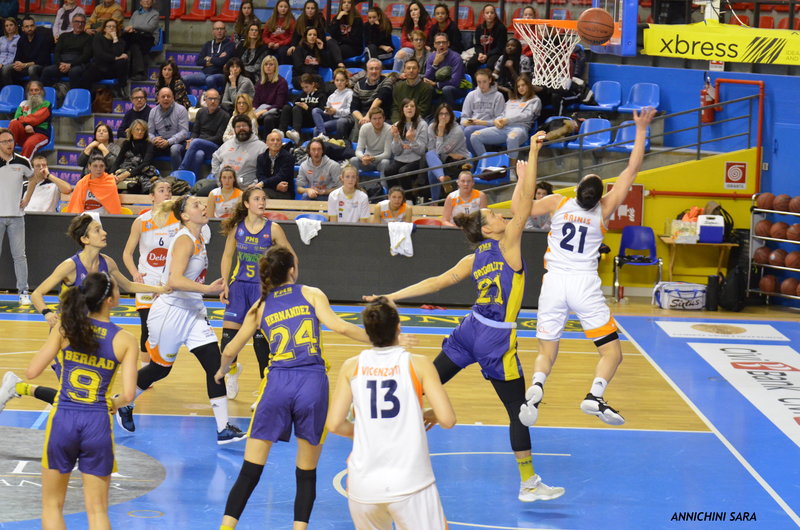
pixel 706 175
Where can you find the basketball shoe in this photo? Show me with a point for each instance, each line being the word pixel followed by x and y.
pixel 8 388
pixel 231 433
pixel 24 298
pixel 529 411
pixel 534 489
pixel 597 406
pixel 125 418
pixel 232 381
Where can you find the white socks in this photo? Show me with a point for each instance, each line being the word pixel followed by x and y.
pixel 539 377
pixel 598 387
pixel 220 408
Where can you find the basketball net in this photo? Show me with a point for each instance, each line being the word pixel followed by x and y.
pixel 551 47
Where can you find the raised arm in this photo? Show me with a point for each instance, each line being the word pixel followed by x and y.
pixel 128 286
pixel 460 271
pixel 524 192
pixel 614 198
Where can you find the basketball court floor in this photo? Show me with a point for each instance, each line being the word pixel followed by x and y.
pixel 712 403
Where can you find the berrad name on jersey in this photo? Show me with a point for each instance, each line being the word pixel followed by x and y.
pixel 91 360
pixel 157 257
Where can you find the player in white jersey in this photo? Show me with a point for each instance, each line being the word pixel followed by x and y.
pixel 390 478
pixel 571 282
pixel 179 318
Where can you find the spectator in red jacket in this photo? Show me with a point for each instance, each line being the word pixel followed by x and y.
pixel 31 123
pixel 278 31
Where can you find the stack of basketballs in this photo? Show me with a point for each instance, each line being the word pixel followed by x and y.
pixel 781 236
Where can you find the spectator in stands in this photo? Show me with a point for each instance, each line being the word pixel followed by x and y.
pixel 212 57
pixel 279 30
pixel 139 111
pixel 409 143
pixel 299 114
pixel 136 154
pixel 237 83
pixel 373 151
pixel 252 52
pixel 442 23
pixel 466 199
pixel 105 10
pixel 63 20
pixel 244 107
pixel 528 12
pixel 96 191
pixel 490 41
pixel 446 143
pixel 168 127
pixel 420 52
pixel 378 35
pixel 209 124
pixel 275 168
pixel 309 56
pixel 395 208
pixel 348 204
pixel 8 44
pixel 14 170
pixel 372 91
pixel 169 76
pixel 102 145
pixel 72 53
pixel 44 189
pixel 336 118
pixel 445 70
pixel 481 106
pixel 412 87
pixel 312 17
pixel 416 18
pixel 318 175
pixel 541 222
pixel 240 153
pixel 33 54
pixel 244 20
pixel 109 59
pixel 31 123
pixel 141 34
pixel 272 94
pixel 513 126
pixel 509 67
pixel 347 29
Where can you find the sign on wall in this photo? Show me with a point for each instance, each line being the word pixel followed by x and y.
pixel 735 175
pixel 629 213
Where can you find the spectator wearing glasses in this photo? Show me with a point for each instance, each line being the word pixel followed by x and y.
pixel 72 53
pixel 108 58
pixel 445 70
pixel 416 19
pixel 209 124
pixel 418 51
pixel 64 16
pixel 139 111
pixel 33 54
pixel 168 126
pixel 105 10
pixel 212 57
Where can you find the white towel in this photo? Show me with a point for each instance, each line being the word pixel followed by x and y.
pixel 400 239
pixel 308 228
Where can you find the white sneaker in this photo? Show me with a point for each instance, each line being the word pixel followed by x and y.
pixel 529 411
pixel 24 298
pixel 293 136
pixel 597 406
pixel 232 382
pixel 8 388
pixel 534 489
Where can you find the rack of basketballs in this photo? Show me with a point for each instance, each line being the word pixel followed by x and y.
pixel 775 245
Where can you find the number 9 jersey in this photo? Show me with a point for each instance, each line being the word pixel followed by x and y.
pixel 573 244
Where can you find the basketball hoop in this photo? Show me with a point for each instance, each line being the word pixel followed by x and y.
pixel 551 43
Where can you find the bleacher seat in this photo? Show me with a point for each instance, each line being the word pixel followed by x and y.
pixel 87 6
pixel 465 17
pixel 159 44
pixel 229 12
pixel 50 7
pixel 50 95
pixel 642 95
pixel 742 20
pixel 285 71
pixel 201 10
pixel 185 174
pixel 396 45
pixel 428 221
pixel 607 94
pixel 10 98
pixel 429 8
pixel 33 7
pixel 590 139
pixel 766 22
pixel 784 23
pixel 496 161
pixel 177 8
pixel 396 14
pixel 626 135
pixel 275 216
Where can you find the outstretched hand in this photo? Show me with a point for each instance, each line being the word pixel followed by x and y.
pixel 370 297
pixel 643 117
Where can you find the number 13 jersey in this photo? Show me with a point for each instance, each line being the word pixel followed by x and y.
pixel 573 244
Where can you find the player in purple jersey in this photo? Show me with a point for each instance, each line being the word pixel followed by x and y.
pixel 249 236
pixel 296 392
pixel 79 428
pixel 488 335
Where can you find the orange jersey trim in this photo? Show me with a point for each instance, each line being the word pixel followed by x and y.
pixel 415 381
pixel 606 329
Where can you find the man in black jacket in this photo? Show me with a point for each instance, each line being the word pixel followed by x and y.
pixel 139 111
pixel 275 169
pixel 72 54
pixel 209 125
pixel 33 53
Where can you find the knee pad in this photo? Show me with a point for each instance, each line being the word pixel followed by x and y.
pixel 306 493
pixel 247 481
pixel 605 340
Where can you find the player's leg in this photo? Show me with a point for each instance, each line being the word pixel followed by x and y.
pixel 309 410
pixel 144 355
pixel 421 510
pixel 456 351
pixel 54 491
pixel 14 387
pixel 370 516
pixel 306 482
pixel 255 457
pixel 95 497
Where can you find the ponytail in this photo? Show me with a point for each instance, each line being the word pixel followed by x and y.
pixel 471 225
pixel 274 268
pixel 76 304
pixel 381 322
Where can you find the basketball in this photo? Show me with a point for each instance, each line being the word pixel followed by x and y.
pixel 777 257
pixel 781 202
pixel 792 259
pixel 778 230
pixel 761 255
pixel 794 204
pixel 789 286
pixel 595 26
pixel 793 232
pixel 768 284
pixel 764 201
pixel 762 228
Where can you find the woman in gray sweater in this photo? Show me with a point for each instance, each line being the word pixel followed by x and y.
pixel 409 145
pixel 141 34
pixel 446 143
pixel 237 84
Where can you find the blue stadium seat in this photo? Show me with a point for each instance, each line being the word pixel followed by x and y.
pixel 159 45
pixel 607 94
pixel 50 95
pixel 642 95
pixel 626 134
pixel 396 45
pixel 484 164
pixel 591 139
pixel 10 98
pixel 285 71
pixel 185 174
pixel 78 102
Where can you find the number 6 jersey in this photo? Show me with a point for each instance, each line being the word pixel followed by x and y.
pixel 573 244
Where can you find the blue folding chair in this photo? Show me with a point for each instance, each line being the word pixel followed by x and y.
pixel 159 45
pixel 642 95
pixel 636 238
pixel 588 137
pixel 484 165
pixel 396 45
pixel 626 135
pixel 185 174
pixel 313 216
pixel 10 98
pixel 285 71
pixel 77 102
pixel 50 95
pixel 607 94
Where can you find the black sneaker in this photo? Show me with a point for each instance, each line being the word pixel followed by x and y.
pixel 596 406
pixel 230 434
pixel 125 418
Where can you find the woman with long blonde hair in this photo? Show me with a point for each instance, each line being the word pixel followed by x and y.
pixel 272 93
pixel 242 105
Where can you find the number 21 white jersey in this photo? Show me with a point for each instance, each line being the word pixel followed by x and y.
pixel 573 244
